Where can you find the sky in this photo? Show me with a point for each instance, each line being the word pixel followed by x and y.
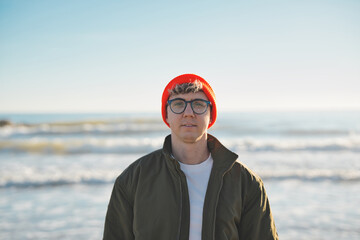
pixel 118 56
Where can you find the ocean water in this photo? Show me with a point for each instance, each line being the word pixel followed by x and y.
pixel 57 170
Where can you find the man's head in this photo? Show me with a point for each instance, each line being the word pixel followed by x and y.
pixel 185 84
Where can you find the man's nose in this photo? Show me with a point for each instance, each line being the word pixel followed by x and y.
pixel 188 110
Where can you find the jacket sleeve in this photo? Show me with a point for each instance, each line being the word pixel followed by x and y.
pixel 257 222
pixel 119 216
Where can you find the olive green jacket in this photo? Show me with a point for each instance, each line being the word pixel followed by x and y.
pixel 150 200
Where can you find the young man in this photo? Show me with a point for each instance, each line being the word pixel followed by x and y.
pixel 192 188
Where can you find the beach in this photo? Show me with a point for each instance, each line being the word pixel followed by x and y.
pixel 57 170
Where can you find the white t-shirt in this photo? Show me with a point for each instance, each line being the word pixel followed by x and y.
pixel 197 177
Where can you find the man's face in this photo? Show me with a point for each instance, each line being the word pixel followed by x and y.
pixel 188 127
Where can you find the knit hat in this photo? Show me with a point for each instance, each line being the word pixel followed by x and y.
pixel 189 78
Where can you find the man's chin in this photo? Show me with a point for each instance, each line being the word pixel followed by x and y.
pixel 191 138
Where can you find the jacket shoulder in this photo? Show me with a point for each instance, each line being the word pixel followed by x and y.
pixel 247 172
pixel 249 181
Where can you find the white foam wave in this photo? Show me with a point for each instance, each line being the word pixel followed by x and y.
pixel 313 175
pixel 81 145
pixel 44 170
pixel 33 178
pixel 141 145
pixel 351 143
pixel 90 127
pixel 145 125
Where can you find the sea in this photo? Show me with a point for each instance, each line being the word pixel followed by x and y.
pixel 57 170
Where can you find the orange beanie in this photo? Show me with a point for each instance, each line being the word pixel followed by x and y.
pixel 189 78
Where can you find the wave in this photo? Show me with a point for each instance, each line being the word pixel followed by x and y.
pixel 131 126
pixel 108 177
pixel 81 146
pixel 48 181
pixel 54 183
pixel 312 175
pixel 142 145
pixel 351 143
pixel 121 126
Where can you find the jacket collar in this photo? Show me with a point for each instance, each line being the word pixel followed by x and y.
pixel 223 157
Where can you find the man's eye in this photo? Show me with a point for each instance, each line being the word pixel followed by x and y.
pixel 178 103
pixel 199 104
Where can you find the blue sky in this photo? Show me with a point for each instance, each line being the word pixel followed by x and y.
pixel 115 56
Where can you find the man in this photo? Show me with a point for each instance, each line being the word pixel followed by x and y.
pixel 192 188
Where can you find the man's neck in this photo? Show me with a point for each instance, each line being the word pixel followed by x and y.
pixel 190 153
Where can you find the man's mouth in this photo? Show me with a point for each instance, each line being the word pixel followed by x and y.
pixel 189 125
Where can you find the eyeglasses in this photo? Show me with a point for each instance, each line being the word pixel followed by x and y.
pixel 178 105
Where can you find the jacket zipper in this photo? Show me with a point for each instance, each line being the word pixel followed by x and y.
pixel 181 201
pixel 217 201
pixel 181 176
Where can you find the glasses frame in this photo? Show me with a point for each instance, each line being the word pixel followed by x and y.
pixel 191 105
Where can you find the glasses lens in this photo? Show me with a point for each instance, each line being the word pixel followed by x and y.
pixel 177 105
pixel 199 106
